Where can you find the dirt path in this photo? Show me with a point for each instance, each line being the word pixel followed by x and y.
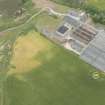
pixel 44 3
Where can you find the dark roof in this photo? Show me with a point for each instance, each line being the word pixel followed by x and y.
pixel 62 29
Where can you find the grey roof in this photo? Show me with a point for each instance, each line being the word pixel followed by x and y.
pixel 94 54
pixel 62 29
pixel 99 40
pixel 74 13
pixel 72 21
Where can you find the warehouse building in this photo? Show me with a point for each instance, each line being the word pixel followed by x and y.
pixel 94 54
pixel 82 38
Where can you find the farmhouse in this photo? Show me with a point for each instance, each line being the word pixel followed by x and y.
pixel 82 38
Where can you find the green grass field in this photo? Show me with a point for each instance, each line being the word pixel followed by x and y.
pixel 40 72
pixel 60 79
pixel 97 3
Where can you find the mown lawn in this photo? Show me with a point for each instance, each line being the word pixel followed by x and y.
pixel 63 79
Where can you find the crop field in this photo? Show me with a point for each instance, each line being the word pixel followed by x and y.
pixel 26 52
pixel 46 73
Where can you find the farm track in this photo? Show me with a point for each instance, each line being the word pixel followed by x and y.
pixel 36 14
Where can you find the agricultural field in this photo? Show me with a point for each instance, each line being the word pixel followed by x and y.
pixel 46 73
pixel 36 71
pixel 27 50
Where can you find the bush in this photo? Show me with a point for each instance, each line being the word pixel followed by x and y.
pixel 97 15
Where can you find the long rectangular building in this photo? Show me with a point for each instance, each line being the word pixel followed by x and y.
pixel 94 54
